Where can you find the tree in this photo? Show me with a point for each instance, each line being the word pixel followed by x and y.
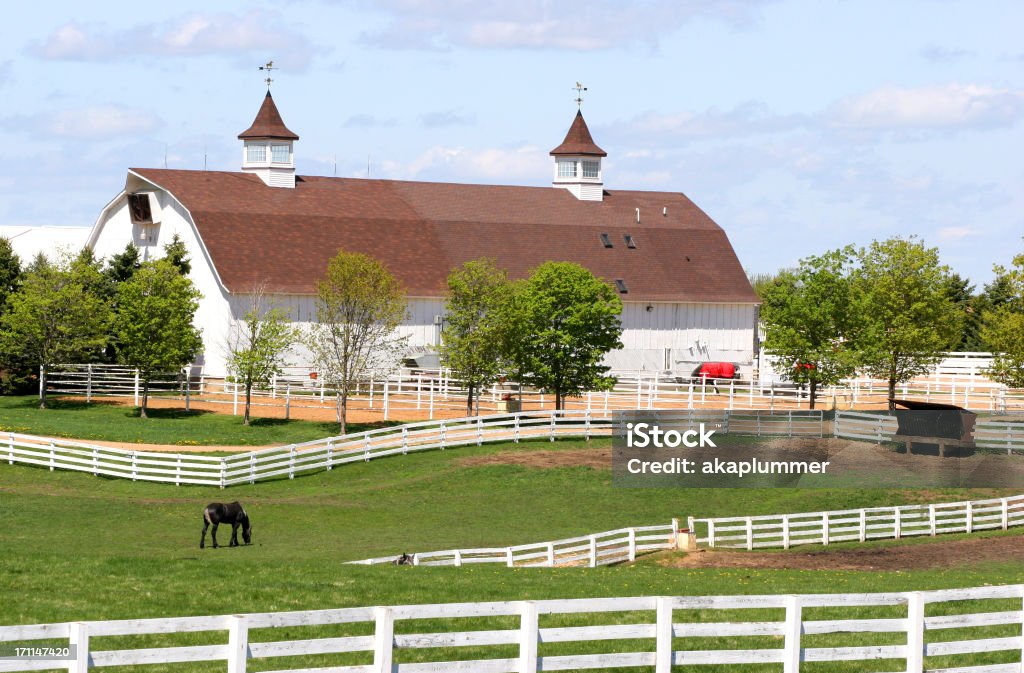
pixel 257 344
pixel 359 307
pixel 10 271
pixel 961 293
pixel 123 265
pixel 55 316
pixel 176 253
pixel 153 326
pixel 1003 326
pixel 473 339
pixel 908 319
pixel 563 320
pixel 809 316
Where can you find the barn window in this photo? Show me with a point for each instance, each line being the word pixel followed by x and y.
pixel 606 241
pixel 621 285
pixel 566 168
pixel 255 153
pixel 138 207
pixel 279 154
pixel 591 169
pixel 630 242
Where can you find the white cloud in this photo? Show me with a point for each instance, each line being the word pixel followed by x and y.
pixel 103 121
pixel 944 55
pixel 251 35
pixel 956 233
pixel 541 24
pixel 949 106
pixel 527 163
pixel 749 118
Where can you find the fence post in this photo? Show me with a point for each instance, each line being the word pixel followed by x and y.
pixel 386 400
pixel 553 414
pixel 136 388
pixel 383 640
pixel 1004 513
pixel 663 631
pixel 366 447
pixel 238 643
pixel 528 623
pixel 291 461
pixel 824 528
pixel 862 530
pixel 632 544
pixel 42 380
pixel 897 523
pixel 969 518
pixel 252 467
pixel 915 632
pixel 479 430
pixel 177 472
pixel 750 533
pixel 10 449
pixel 785 531
pixel 405 440
pixel 593 551
pixel 551 555
pixel 223 472
pixel 674 542
pixel 711 533
pixel 52 460
pixel 79 637
pixel 88 384
pixel 96 462
pixel 509 558
pixel 458 558
pixel 586 432
pixel 288 401
pixel 444 434
pixel 515 437
pixel 931 520
pixel 330 455
pixel 793 629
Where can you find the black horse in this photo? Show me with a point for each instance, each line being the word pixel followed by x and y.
pixel 232 513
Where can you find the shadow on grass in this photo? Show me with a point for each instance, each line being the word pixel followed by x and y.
pixel 166 413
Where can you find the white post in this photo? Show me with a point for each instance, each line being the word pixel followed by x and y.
pixel 136 388
pixel 750 533
pixel 632 544
pixel 793 629
pixel 1004 514
pixel 291 461
pixel 288 401
pixel 88 384
pixel 931 520
pixel 383 640
pixel 593 551
pixel 330 455
pixel 509 558
pixel 969 518
pixel 897 523
pixel 386 381
pixel 732 391
pixel 663 635
pixel 458 558
pixel 785 531
pixel 234 399
pixel 711 534
pixel 79 637
pixel 405 440
pixel 431 401
pixel 238 643
pixel 515 433
pixel 915 632
pixel 824 528
pixel 863 527
pixel 551 555
pixel 371 391
pixel 528 636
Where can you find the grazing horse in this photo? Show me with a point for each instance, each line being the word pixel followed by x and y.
pixel 403 560
pixel 232 513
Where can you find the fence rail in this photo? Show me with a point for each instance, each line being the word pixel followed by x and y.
pixel 437 392
pixel 913 630
pixel 326 454
pixel 860 525
pixel 989 433
pixel 596 549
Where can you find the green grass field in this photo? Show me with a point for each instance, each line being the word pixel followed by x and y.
pixel 118 423
pixel 78 547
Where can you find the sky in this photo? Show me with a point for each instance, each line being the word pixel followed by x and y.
pixel 798 125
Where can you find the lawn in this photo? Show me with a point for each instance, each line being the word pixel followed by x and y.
pixel 118 423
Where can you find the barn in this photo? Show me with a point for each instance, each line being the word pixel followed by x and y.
pixel 264 228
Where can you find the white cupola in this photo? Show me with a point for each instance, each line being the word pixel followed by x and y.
pixel 267 147
pixel 578 163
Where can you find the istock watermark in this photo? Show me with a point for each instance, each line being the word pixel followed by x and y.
pixel 706 449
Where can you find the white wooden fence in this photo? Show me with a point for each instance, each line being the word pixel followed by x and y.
pixel 871 523
pixel 909 632
pixel 989 433
pixel 320 454
pixel 613 546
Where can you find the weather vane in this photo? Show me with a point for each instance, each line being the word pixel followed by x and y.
pixel 579 94
pixel 268 68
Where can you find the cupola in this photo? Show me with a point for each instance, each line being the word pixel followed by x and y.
pixel 267 147
pixel 578 163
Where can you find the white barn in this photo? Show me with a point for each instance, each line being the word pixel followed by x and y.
pixel 686 297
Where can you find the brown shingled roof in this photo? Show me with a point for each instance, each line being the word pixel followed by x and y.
pixel 268 123
pixel 284 238
pixel 578 140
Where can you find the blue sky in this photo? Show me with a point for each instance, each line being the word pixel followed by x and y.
pixel 798 125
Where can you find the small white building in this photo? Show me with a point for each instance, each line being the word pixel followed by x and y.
pixel 686 298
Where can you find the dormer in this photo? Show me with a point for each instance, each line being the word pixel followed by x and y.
pixel 578 163
pixel 267 147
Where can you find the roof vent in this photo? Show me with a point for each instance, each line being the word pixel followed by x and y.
pixel 606 241
pixel 630 242
pixel 621 285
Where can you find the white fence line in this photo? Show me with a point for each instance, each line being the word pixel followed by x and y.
pixel 792 630
pixel 596 549
pixel 989 433
pixel 858 525
pixel 328 453
pixel 433 392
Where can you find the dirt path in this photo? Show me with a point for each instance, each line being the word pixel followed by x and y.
pixel 177 448
pixel 894 556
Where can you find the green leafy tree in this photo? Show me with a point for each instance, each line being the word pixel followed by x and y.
pixel 257 344
pixel 907 316
pixel 1003 326
pixel 153 326
pixel 961 292
pixel 562 322
pixel 176 253
pixel 473 340
pixel 810 314
pixel 123 265
pixel 15 372
pixel 762 281
pixel 359 308
pixel 55 316
pixel 10 271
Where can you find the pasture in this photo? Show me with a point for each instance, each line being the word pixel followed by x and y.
pixel 83 547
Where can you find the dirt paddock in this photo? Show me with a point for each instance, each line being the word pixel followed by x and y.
pixel 892 556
